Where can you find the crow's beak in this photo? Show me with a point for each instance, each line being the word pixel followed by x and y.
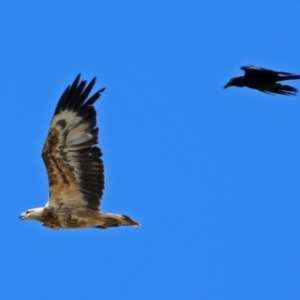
pixel 226 86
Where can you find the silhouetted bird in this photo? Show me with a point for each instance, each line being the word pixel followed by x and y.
pixel 264 80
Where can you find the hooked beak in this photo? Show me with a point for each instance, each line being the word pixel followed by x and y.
pixel 22 216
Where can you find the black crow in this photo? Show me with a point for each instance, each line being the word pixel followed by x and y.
pixel 264 80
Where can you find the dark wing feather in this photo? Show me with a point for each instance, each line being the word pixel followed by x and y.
pixel 280 89
pixel 255 69
pixel 73 161
pixel 259 71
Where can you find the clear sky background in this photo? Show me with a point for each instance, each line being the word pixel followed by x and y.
pixel 212 174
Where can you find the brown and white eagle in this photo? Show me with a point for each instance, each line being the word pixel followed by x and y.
pixel 74 165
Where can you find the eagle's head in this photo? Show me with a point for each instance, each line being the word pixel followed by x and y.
pixel 236 81
pixel 32 214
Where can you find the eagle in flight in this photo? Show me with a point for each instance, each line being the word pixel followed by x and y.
pixel 74 165
pixel 264 80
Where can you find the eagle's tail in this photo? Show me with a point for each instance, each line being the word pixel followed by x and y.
pixel 115 220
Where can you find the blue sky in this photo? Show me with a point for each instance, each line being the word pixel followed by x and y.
pixel 211 174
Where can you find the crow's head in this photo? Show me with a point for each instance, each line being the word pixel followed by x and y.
pixel 235 81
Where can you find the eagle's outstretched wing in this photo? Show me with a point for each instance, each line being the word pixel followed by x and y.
pixel 73 161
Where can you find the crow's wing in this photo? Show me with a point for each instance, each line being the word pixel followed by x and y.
pixel 280 89
pixel 263 72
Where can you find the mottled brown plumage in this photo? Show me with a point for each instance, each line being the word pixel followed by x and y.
pixel 74 165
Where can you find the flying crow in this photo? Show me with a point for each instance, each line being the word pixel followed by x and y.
pixel 264 80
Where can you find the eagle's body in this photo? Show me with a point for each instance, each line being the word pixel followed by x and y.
pixel 74 166
pixel 79 218
pixel 264 80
